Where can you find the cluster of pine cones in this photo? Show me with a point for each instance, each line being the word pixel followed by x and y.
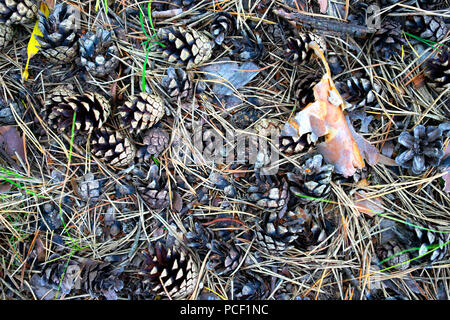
pixel 133 138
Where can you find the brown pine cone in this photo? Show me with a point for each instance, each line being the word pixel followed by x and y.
pixel 6 35
pixel 141 112
pixel 269 192
pixel 59 40
pixel 18 11
pixel 304 89
pixel 100 279
pixel 294 145
pixel 224 258
pixel 155 141
pixel 185 46
pixel 112 147
pixel 391 251
pixel 388 39
pixel 437 73
pixel 177 84
pixel 91 108
pixel 152 186
pixel 427 27
pixel 171 271
pixel 298 50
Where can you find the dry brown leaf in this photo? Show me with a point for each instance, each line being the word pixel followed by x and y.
pixel 370 206
pixel 11 142
pixel 342 147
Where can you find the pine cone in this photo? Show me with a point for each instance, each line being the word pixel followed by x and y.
pixel 59 38
pixel 59 275
pixel 141 112
pixel 388 39
pixel 153 187
pixel 199 238
pixel 304 89
pixel 418 236
pixel 298 50
pixel 18 11
pixel 269 192
pixel 431 4
pixel 421 150
pixel 6 114
pixel 245 117
pixel 314 231
pixel 90 189
pixel 173 268
pixel 51 217
pixel 294 145
pixel 312 180
pixel 177 84
pixel 185 46
pixel 6 35
pixel 92 110
pixel 250 286
pixel 112 147
pixel 431 28
pixel 224 258
pixel 437 73
pixel 359 92
pixel 156 140
pixel 98 53
pixel 391 251
pixel 222 25
pixel 279 231
pixel 101 279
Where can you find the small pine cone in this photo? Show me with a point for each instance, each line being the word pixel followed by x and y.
pixel 51 217
pixel 100 279
pixel 298 50
pixel 185 46
pixel 269 192
pixel 391 251
pixel 279 231
pixel 177 84
pixel 388 39
pixel 431 4
pixel 18 11
pixel 312 180
pixel 431 28
pixel 156 140
pixel 422 149
pixel 6 35
pixel 91 108
pixel 437 73
pixel 59 40
pixel 250 286
pixel 6 114
pixel 224 258
pixel 199 238
pixel 304 89
pixel 418 236
pixel 112 147
pixel 222 25
pixel 294 145
pixel 314 231
pixel 58 276
pixel 170 269
pixel 359 92
pixel 141 112
pixel 90 189
pixel 98 53
pixel 153 187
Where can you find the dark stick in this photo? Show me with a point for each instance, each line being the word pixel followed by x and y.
pixel 325 24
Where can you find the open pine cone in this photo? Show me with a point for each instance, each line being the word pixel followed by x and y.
pixel 91 108
pixel 422 149
pixel 141 112
pixel 437 73
pixel 155 141
pixel 59 40
pixel 18 11
pixel 185 46
pixel 298 49
pixel 177 84
pixel 171 271
pixel 153 187
pixel 6 34
pixel 112 147
pixel 98 52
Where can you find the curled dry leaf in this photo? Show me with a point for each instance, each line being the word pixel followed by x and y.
pixel 342 147
pixel 11 142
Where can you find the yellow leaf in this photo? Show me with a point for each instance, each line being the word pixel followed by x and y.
pixel 33 44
